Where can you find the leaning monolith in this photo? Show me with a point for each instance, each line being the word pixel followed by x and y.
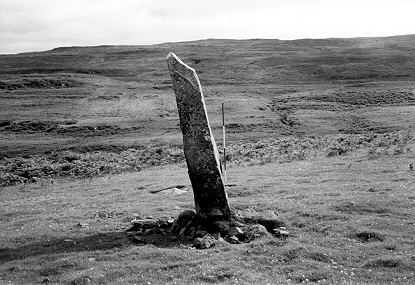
pixel 200 149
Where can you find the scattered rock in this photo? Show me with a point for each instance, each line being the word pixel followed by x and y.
pixel 250 215
pixel 185 216
pixel 186 228
pixel 236 215
pixel 220 226
pixel 171 191
pixel 236 223
pixel 148 232
pixel 143 224
pixel 257 231
pixel 204 232
pixel 81 225
pixel 201 233
pixel 216 236
pixel 235 231
pixel 162 224
pixel 221 240
pixel 138 239
pixel 139 233
pixel 281 232
pixel 192 232
pixel 161 231
pixel 197 242
pixel 203 243
pixel 270 224
pixel 232 239
pixel 182 231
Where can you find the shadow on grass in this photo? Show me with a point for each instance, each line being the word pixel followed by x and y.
pixel 100 241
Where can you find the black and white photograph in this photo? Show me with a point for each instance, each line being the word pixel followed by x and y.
pixel 207 142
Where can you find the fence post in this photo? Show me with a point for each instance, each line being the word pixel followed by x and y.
pixel 224 143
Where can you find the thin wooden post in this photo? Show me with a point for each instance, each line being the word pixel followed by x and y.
pixel 224 143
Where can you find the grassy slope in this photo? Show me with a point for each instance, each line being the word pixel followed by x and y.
pixel 351 221
pixel 351 216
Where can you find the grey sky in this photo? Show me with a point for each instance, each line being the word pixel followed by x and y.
pixel 45 24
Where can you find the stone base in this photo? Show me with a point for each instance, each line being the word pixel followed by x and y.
pixel 188 227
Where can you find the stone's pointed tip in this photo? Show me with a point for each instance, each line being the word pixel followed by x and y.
pixel 171 54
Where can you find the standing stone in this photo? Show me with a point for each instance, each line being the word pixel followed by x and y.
pixel 200 149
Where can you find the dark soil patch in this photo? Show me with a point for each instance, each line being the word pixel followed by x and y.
pixel 337 100
pixel 38 83
pixel 105 98
pixel 369 236
pixel 394 97
pixel 65 127
pixel 361 208
pixel 30 127
pixel 89 163
pixel 5 123
pixel 386 262
pixel 91 131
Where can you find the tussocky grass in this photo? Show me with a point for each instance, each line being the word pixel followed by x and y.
pixel 350 218
pixel 47 167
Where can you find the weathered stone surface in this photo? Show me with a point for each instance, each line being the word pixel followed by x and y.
pixel 257 231
pixel 281 232
pixel 204 242
pixel 201 233
pixel 138 239
pixel 146 223
pixel 232 239
pixel 197 242
pixel 183 231
pixel 192 232
pixel 234 231
pixel 200 149
pixel 271 224
pixel 185 217
pixel 220 226
pixel 216 236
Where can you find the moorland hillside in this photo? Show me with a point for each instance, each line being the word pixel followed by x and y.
pixel 118 98
pixel 320 139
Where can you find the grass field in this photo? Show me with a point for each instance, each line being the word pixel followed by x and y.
pixel 350 218
pixel 320 136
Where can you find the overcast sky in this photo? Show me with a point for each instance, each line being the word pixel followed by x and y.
pixel 38 25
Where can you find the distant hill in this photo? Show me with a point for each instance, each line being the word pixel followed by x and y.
pixel 241 61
